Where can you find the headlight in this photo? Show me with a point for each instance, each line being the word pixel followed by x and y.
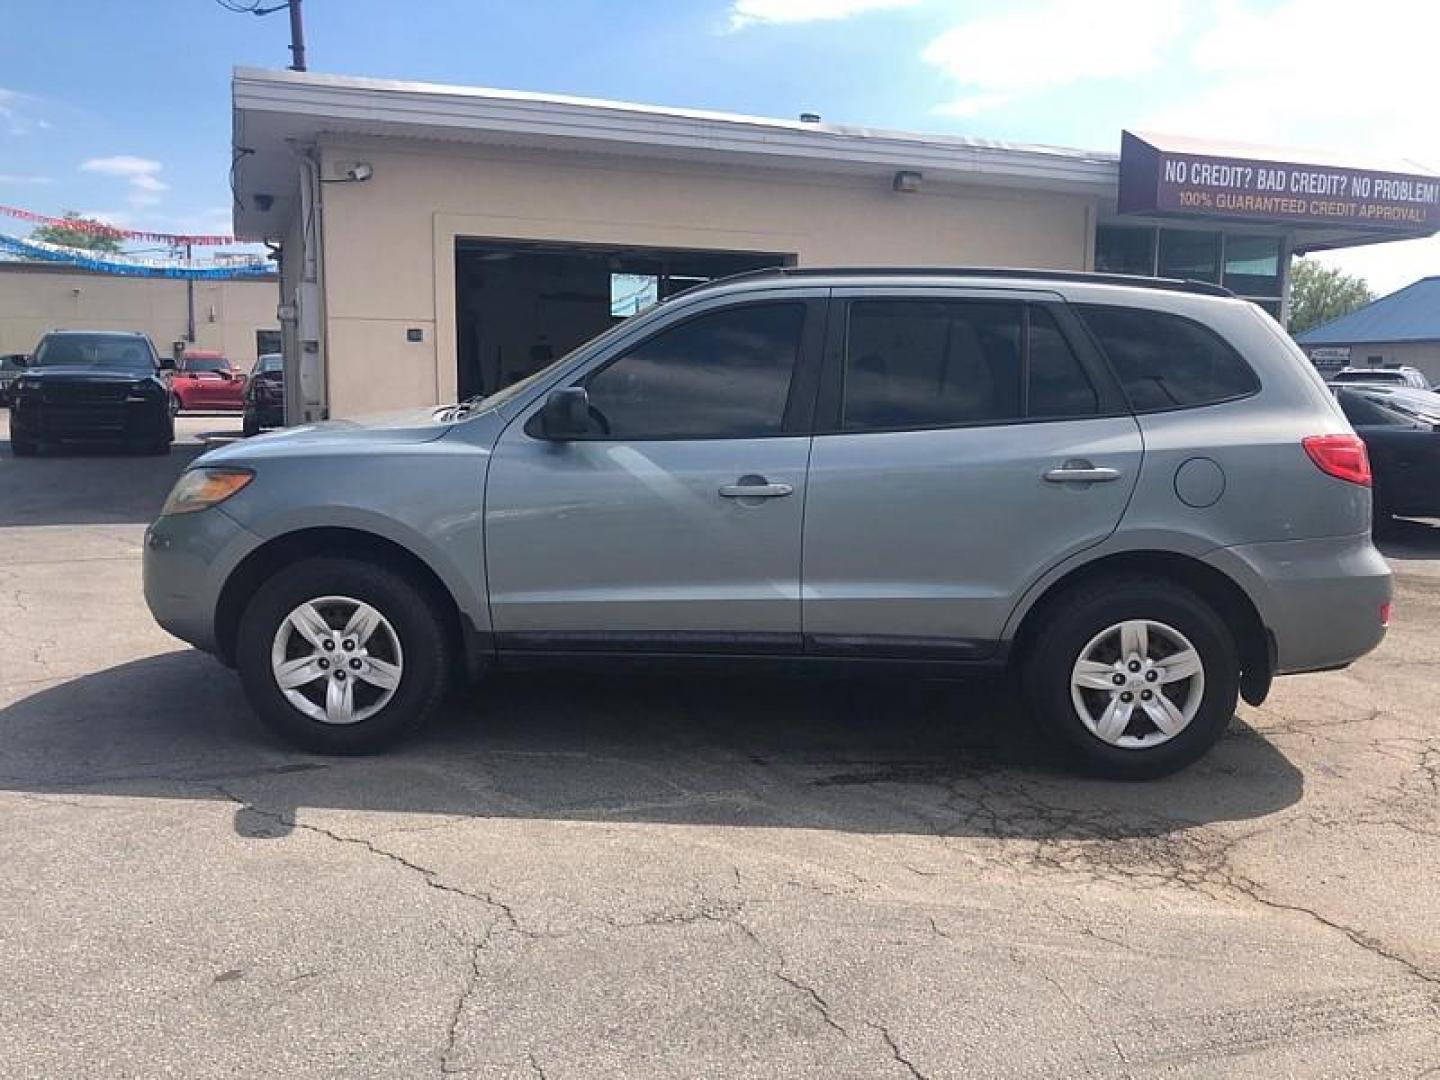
pixel 25 384
pixel 200 489
pixel 144 390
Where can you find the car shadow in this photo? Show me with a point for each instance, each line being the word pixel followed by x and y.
pixel 891 756
pixel 84 485
pixel 1410 538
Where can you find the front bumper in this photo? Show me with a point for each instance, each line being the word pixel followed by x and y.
pixel 1321 599
pixel 89 421
pixel 188 558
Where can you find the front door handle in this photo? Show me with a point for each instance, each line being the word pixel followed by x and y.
pixel 761 490
pixel 1082 472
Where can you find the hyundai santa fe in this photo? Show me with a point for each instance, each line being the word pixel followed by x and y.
pixel 1136 494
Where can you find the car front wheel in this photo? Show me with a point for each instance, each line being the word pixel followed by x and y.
pixel 341 656
pixel 1140 676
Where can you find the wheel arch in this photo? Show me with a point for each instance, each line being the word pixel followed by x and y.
pixel 1253 640
pixel 345 542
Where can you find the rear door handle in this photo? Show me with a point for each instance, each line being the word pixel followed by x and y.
pixel 755 491
pixel 1082 473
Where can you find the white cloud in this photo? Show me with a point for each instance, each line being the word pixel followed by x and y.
pixel 141 173
pixel 1310 72
pixel 748 12
pixel 997 58
pixel 121 219
pixel 1317 73
pixel 16 113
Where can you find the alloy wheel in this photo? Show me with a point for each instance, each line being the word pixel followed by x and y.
pixel 337 660
pixel 1137 684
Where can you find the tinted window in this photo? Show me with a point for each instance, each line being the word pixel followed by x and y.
pixel 1125 250
pixel 94 350
pixel 1189 255
pixel 1166 361
pixel 269 364
pixel 1058 384
pixel 924 363
pixel 726 374
pixel 1252 265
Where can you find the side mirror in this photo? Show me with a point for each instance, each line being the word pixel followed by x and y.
pixel 167 363
pixel 566 413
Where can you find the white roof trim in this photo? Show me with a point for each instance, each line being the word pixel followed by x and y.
pixel 341 103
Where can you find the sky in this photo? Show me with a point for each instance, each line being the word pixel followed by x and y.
pixel 120 108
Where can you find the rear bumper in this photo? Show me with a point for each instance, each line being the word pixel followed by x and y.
pixel 266 414
pixel 1320 599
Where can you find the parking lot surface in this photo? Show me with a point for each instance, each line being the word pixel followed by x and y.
pixel 580 876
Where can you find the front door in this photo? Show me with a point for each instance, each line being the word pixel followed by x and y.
pixel 674 523
pixel 966 442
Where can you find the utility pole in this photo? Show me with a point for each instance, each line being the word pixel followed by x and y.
pixel 297 37
pixel 297 24
pixel 190 294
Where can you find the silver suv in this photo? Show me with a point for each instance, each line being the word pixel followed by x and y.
pixel 1137 494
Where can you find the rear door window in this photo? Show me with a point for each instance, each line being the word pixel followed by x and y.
pixel 1058 385
pixel 1167 361
pixel 950 363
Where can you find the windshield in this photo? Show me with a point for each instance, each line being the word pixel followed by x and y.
pixel 270 363
pixel 1416 404
pixel 94 351
pixel 204 363
pixel 1378 375
pixel 487 402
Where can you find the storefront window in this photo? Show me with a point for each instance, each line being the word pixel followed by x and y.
pixel 1252 265
pixel 1192 256
pixel 1125 250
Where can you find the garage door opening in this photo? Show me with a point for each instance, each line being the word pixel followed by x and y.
pixel 519 306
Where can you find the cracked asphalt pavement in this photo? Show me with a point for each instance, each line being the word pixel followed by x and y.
pixel 577 876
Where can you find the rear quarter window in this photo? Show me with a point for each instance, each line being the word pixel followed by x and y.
pixel 1166 361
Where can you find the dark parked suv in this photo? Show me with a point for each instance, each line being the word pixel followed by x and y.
pixel 89 386
pixel 1138 495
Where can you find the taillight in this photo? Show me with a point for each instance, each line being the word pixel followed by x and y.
pixel 1385 614
pixel 1340 456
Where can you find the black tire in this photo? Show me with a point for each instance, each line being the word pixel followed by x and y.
pixel 412 614
pixel 23 447
pixel 1079 616
pixel 250 425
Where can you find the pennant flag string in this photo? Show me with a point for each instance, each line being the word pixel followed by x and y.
pixel 114 232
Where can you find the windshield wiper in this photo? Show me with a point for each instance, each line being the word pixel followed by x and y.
pixel 460 410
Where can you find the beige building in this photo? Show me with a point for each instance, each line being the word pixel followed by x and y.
pixel 230 315
pixel 444 241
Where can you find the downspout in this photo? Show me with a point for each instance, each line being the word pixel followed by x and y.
pixel 311 334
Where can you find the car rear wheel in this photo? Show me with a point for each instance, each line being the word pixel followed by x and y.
pixel 1139 676
pixel 341 656
pixel 249 425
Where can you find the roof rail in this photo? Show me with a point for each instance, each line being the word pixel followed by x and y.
pixel 1203 288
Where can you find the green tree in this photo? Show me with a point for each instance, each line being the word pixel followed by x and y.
pixel 69 236
pixel 1321 293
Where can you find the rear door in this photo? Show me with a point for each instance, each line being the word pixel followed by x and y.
pixel 966 441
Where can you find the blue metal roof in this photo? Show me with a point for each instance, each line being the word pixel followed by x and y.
pixel 1412 314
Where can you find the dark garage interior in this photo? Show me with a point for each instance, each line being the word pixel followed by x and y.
pixel 520 305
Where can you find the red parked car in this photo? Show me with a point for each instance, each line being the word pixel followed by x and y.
pixel 205 380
